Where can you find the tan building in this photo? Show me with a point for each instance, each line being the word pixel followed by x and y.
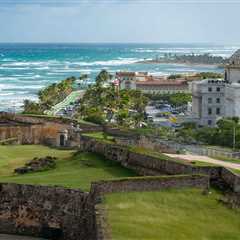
pixel 150 84
pixel 163 86
pixel 127 80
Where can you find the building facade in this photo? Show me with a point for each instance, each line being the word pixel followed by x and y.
pixel 163 86
pixel 128 80
pixel 214 99
pixel 208 97
pixel 150 84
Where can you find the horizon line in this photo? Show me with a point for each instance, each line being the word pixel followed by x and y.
pixel 100 42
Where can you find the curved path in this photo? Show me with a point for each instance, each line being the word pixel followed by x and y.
pixel 190 157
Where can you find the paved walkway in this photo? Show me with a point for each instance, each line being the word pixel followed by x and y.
pixel 190 157
pixel 15 237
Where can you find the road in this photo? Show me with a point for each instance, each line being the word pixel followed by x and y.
pixel 190 157
pixel 72 97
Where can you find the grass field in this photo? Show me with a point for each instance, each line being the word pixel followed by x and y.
pixel 72 171
pixel 171 215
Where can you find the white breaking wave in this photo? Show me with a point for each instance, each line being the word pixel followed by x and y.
pixel 116 62
pixel 10 86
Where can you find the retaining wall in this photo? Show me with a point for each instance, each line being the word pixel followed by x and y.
pixel 152 166
pixel 48 212
pixel 67 214
pixel 141 184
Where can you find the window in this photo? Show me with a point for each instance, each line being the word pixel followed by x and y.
pixel 209 100
pixel 218 89
pixel 209 111
pixel 218 100
pixel 209 122
pixel 209 89
pixel 217 111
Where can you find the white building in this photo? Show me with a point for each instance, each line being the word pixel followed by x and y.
pixel 208 101
pixel 232 92
pixel 214 99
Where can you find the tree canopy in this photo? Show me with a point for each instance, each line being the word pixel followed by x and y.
pixel 104 102
pixel 49 96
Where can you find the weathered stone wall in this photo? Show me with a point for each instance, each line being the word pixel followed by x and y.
pixel 141 184
pixel 33 134
pixel 144 164
pixel 39 130
pixel 152 166
pixel 49 212
pixel 232 179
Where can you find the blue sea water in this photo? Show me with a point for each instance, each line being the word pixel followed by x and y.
pixel 27 68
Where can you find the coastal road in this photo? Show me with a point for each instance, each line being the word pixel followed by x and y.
pixel 190 157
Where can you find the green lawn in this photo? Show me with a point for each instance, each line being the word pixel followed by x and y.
pixel 171 215
pixel 72 171
pixel 100 136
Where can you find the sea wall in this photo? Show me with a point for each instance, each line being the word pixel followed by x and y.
pixel 146 165
pixel 48 212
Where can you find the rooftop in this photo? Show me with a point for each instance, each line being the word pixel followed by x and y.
pixel 131 74
pixel 162 82
pixel 211 81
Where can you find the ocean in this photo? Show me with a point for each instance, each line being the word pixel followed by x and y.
pixel 27 68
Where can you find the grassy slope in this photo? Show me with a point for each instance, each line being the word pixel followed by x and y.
pixel 171 215
pixel 74 172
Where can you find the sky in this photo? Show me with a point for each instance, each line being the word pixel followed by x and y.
pixel 120 21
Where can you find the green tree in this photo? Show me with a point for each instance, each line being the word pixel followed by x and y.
pixel 108 102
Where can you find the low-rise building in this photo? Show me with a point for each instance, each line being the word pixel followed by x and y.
pixel 127 80
pixel 163 86
pixel 151 84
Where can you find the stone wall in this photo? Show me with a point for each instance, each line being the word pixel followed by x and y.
pixel 141 184
pixel 138 184
pixel 29 129
pixel 48 212
pixel 67 214
pixel 232 179
pixel 152 166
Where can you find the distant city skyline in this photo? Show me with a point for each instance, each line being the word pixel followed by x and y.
pixel 125 21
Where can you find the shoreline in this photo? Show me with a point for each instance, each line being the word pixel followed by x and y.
pixel 214 65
